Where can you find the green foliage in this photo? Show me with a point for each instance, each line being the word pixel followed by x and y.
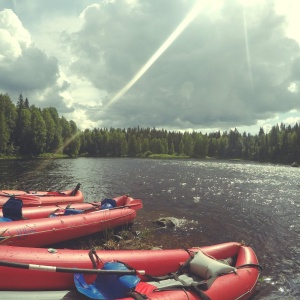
pixel 29 131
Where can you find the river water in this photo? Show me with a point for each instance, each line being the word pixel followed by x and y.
pixel 215 202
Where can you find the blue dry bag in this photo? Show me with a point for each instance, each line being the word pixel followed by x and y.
pixel 107 286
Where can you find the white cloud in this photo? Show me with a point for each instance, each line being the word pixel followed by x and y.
pixel 13 37
pixel 237 64
pixel 229 87
pixel 11 23
pixel 9 46
pixel 24 67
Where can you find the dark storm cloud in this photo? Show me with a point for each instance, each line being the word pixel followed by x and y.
pixel 230 70
pixel 33 70
pixel 231 66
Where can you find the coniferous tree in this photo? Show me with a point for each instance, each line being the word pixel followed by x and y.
pixel 8 122
pixel 171 149
pixel 145 145
pixel 56 145
pixel 38 132
pixel 50 131
pixel 188 144
pixel 23 130
pixel 74 142
pixel 20 102
pixel 4 134
pixel 104 143
pixel 181 148
pixel 66 134
pixel 274 144
pixel 133 147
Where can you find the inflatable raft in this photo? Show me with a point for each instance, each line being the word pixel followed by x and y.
pixel 73 223
pixel 225 271
pixel 36 212
pixel 35 198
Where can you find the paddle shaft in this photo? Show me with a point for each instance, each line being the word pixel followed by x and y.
pixel 125 206
pixel 69 270
pixel 34 195
pixel 95 206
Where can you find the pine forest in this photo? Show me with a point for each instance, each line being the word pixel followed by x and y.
pixel 28 131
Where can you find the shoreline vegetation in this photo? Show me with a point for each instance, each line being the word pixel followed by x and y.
pixel 122 238
pixel 57 156
pixel 151 156
pixel 28 131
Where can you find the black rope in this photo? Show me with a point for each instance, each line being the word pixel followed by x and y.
pixel 92 255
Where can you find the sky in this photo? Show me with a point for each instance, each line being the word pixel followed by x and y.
pixel 178 65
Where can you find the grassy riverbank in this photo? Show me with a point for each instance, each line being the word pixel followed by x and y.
pixel 113 239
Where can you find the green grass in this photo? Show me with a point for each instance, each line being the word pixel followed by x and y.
pixel 112 239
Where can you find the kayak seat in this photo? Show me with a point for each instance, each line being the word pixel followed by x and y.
pixel 12 209
pixel 197 274
pixel 108 203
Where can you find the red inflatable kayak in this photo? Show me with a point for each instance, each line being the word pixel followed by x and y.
pixel 35 198
pixel 23 269
pixel 76 223
pixel 36 212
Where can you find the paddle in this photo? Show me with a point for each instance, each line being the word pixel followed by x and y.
pixel 69 270
pixel 135 204
pixel 19 195
pixel 76 189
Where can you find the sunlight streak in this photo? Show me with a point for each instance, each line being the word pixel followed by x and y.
pixel 67 142
pixel 44 163
pixel 181 27
pixel 247 49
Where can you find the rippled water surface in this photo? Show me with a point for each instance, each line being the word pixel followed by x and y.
pixel 215 201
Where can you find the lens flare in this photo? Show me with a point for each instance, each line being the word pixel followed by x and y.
pixel 196 9
pixel 247 48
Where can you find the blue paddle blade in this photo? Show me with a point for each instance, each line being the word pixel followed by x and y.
pixel 88 290
pixel 107 286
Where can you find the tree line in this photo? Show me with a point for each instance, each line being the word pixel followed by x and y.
pixel 26 130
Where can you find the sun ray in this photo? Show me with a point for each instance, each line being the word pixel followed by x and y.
pixel 247 48
pixel 193 13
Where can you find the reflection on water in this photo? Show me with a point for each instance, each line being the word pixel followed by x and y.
pixel 218 202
